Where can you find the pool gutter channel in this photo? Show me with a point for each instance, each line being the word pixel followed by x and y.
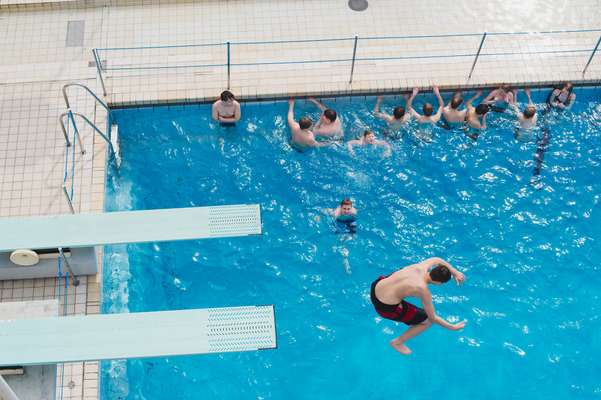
pixel 115 105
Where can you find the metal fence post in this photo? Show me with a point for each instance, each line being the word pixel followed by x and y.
pixel 477 55
pixel 228 66
pixel 591 57
pixel 353 63
pixel 98 68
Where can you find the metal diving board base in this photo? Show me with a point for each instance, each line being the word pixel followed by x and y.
pixel 85 230
pixel 68 339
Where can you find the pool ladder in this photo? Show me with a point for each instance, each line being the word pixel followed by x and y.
pixel 69 116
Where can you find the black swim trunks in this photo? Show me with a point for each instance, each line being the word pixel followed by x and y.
pixel 404 312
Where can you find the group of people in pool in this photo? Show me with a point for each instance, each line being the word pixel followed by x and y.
pixel 388 293
pixel 471 118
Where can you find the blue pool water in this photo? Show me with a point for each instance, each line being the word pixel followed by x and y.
pixel 530 253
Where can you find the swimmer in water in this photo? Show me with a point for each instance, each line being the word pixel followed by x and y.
pixel 429 117
pixel 500 98
pixel 562 98
pixel 452 116
pixel 301 137
pixel 329 123
pixel 395 121
pixel 476 117
pixel 526 119
pixel 388 294
pixel 345 216
pixel 226 110
pixel 369 139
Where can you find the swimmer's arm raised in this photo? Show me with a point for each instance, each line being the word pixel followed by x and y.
pixel 426 298
pixel 291 122
pixel 379 114
pixel 317 103
pixel 473 98
pixel 410 103
pixel 440 103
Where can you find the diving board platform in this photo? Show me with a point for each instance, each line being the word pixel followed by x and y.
pixel 85 230
pixel 67 339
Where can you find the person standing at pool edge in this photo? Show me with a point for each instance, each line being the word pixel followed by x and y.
pixel 226 110
pixel 388 293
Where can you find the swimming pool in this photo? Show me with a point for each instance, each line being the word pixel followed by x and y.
pixel 530 255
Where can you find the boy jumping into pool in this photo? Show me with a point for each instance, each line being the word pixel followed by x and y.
pixel 388 293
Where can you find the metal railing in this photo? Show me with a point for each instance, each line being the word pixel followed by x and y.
pixel 66 120
pixel 220 55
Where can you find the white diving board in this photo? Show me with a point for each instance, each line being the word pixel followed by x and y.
pixel 84 230
pixel 150 334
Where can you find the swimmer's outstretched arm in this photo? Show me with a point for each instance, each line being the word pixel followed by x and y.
pixel 440 103
pixel 527 91
pixel 291 122
pixel 473 98
pixel 426 298
pixel 350 144
pixel 490 98
pixel 387 148
pixel 317 103
pixel 377 112
pixel 410 103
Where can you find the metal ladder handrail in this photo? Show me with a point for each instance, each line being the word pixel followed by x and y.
pixel 68 85
pixel 71 115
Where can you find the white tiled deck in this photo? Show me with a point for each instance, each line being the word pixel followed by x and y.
pixel 36 62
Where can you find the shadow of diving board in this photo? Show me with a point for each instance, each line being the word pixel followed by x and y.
pixel 84 230
pixel 67 339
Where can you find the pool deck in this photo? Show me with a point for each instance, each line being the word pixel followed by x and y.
pixel 48 44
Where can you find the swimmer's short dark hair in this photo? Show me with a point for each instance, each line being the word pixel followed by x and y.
pixel 367 132
pixel 482 109
pixel 305 122
pixel 428 109
pixel 330 114
pixel 227 95
pixel 529 111
pixel 456 102
pixel 440 274
pixel 398 112
pixel 346 202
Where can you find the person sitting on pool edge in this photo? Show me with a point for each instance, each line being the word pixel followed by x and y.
pixel 369 138
pixel 562 98
pixel 527 119
pixel 388 294
pixel 329 123
pixel 395 121
pixel 301 137
pixel 226 110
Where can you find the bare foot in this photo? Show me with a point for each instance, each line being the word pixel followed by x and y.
pixel 400 347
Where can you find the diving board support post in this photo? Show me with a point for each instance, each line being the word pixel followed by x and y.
pixel 6 393
pixel 77 338
pixel 591 57
pixel 477 55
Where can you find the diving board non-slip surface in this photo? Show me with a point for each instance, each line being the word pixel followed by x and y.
pixel 83 230
pixel 136 335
